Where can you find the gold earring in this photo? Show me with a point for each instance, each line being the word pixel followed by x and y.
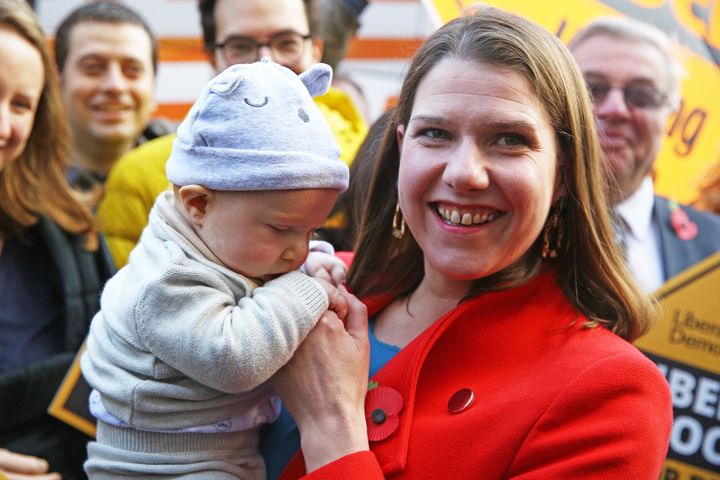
pixel 554 231
pixel 398 224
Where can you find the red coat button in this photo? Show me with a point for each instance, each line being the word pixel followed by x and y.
pixel 461 400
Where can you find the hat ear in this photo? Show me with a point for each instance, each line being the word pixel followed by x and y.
pixel 227 82
pixel 317 79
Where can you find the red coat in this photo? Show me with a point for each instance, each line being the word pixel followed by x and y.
pixel 553 400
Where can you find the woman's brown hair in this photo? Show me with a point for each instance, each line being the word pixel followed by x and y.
pixel 34 184
pixel 590 268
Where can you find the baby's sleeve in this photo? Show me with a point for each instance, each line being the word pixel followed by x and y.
pixel 232 347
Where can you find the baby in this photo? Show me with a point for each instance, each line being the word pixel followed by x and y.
pixel 211 303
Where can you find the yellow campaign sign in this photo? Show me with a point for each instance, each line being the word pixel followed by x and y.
pixel 673 470
pixel 690 329
pixel 693 132
pixel 70 403
pixel 686 347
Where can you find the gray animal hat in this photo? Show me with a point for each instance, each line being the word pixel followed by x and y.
pixel 256 127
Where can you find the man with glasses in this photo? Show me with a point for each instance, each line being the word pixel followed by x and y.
pixel 633 79
pixel 234 31
pixel 244 31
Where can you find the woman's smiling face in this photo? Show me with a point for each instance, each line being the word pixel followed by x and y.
pixel 478 162
pixel 21 84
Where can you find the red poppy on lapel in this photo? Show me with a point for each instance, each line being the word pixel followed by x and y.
pixel 382 405
pixel 684 228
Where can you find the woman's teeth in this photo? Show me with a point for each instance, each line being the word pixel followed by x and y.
pixel 454 217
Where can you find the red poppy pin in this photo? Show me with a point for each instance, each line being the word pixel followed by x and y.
pixel 684 228
pixel 382 405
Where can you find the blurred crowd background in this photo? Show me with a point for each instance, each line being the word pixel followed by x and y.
pixel 391 30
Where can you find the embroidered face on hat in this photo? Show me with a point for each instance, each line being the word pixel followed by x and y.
pixel 256 127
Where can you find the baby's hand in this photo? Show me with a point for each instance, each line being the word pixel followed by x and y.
pixel 321 265
pixel 336 300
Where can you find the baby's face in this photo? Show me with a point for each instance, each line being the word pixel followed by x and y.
pixel 263 234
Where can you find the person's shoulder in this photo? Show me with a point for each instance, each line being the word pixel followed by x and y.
pixel 602 359
pixel 156 262
pixel 154 152
pixel 346 123
pixel 692 212
pixel 708 218
pixel 156 128
pixel 599 343
pixel 58 239
pixel 142 165
pixel 338 103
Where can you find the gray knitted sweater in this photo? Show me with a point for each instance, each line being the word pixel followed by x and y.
pixel 181 340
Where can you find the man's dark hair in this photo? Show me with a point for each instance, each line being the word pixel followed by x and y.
pixel 207 20
pixel 99 12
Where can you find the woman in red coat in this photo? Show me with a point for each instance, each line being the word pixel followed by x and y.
pixel 487 257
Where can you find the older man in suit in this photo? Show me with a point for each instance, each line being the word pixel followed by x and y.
pixel 634 81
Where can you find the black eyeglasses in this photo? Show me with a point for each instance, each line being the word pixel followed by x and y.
pixel 635 95
pixel 286 47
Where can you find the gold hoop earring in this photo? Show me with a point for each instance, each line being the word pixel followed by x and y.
pixel 398 223
pixel 554 231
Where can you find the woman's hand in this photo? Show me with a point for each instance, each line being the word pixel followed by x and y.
pixel 324 386
pixel 14 466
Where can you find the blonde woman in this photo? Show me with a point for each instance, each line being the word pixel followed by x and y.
pixel 51 263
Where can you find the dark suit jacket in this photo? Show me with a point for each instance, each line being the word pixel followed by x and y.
pixel 677 254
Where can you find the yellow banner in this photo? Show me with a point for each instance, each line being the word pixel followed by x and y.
pixel 673 470
pixel 70 403
pixel 693 133
pixel 690 329
pixel 686 347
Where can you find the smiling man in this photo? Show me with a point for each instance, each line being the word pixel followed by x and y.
pixel 107 59
pixel 634 81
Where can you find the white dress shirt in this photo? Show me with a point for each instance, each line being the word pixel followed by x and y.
pixel 642 236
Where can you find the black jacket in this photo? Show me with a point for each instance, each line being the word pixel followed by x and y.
pixel 26 393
